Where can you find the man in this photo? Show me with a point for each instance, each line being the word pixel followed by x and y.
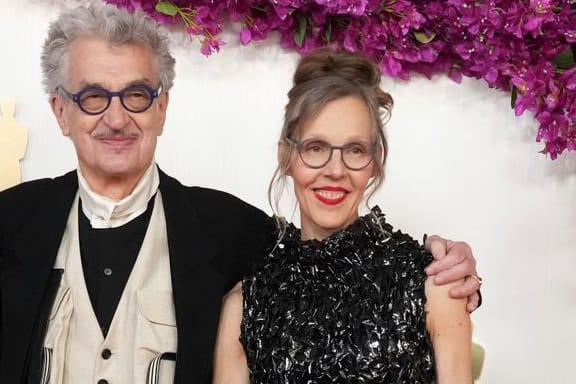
pixel 113 271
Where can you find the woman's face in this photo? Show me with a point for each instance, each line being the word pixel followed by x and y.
pixel 329 196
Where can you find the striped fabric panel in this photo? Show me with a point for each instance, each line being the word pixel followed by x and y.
pixel 152 377
pixel 46 365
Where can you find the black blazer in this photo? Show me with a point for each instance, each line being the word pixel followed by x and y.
pixel 213 238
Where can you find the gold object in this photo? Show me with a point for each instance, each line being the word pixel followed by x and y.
pixel 478 279
pixel 13 142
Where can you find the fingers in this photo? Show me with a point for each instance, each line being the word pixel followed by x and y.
pixel 437 246
pixel 455 265
pixel 473 302
pixel 448 265
pixel 469 288
pixel 454 261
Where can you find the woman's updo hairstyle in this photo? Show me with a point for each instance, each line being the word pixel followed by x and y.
pixel 321 77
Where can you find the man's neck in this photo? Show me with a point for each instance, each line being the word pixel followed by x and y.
pixel 115 187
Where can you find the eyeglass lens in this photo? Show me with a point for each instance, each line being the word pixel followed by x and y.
pixel 317 153
pixel 134 99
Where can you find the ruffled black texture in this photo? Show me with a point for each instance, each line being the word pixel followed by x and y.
pixel 348 309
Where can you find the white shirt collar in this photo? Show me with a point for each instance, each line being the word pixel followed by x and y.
pixel 104 212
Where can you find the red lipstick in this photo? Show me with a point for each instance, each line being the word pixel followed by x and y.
pixel 330 195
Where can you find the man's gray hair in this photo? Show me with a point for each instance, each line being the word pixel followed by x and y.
pixel 111 24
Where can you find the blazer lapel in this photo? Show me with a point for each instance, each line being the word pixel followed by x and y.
pixel 33 252
pixel 197 286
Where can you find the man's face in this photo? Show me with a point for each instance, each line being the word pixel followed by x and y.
pixel 115 144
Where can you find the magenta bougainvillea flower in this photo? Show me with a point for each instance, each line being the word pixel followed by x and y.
pixel 525 47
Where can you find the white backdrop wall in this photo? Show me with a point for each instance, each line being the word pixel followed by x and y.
pixel 461 165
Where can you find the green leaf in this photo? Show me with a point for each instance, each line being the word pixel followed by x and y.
pixel 167 8
pixel 424 38
pixel 513 96
pixel 301 31
pixel 328 32
pixel 564 60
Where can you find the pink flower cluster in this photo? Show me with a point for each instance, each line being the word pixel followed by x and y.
pixel 525 47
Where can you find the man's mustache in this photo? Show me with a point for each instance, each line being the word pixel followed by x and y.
pixel 107 133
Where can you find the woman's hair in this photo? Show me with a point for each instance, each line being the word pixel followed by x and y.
pixel 110 24
pixel 321 77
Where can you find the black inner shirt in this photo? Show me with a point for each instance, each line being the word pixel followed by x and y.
pixel 108 256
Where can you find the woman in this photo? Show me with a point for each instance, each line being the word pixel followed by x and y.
pixel 345 299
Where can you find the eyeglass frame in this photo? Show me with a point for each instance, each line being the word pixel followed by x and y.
pixel 298 144
pixel 76 97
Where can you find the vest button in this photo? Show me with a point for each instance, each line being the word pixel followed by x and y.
pixel 102 381
pixel 106 355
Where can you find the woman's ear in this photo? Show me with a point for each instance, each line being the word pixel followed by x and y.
pixel 374 169
pixel 378 162
pixel 283 155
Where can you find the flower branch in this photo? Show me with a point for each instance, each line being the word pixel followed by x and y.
pixel 525 47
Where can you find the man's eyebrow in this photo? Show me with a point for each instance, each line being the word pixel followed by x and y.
pixel 142 81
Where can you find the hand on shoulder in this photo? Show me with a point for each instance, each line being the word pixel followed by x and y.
pixel 454 261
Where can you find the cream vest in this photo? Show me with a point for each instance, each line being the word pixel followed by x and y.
pixel 143 326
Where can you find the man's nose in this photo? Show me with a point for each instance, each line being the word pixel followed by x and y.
pixel 116 116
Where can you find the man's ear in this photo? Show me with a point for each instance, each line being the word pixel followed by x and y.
pixel 163 100
pixel 57 105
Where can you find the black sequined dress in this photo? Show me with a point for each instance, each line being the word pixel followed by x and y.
pixel 348 309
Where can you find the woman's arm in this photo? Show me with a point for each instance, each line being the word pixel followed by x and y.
pixel 449 326
pixel 230 366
